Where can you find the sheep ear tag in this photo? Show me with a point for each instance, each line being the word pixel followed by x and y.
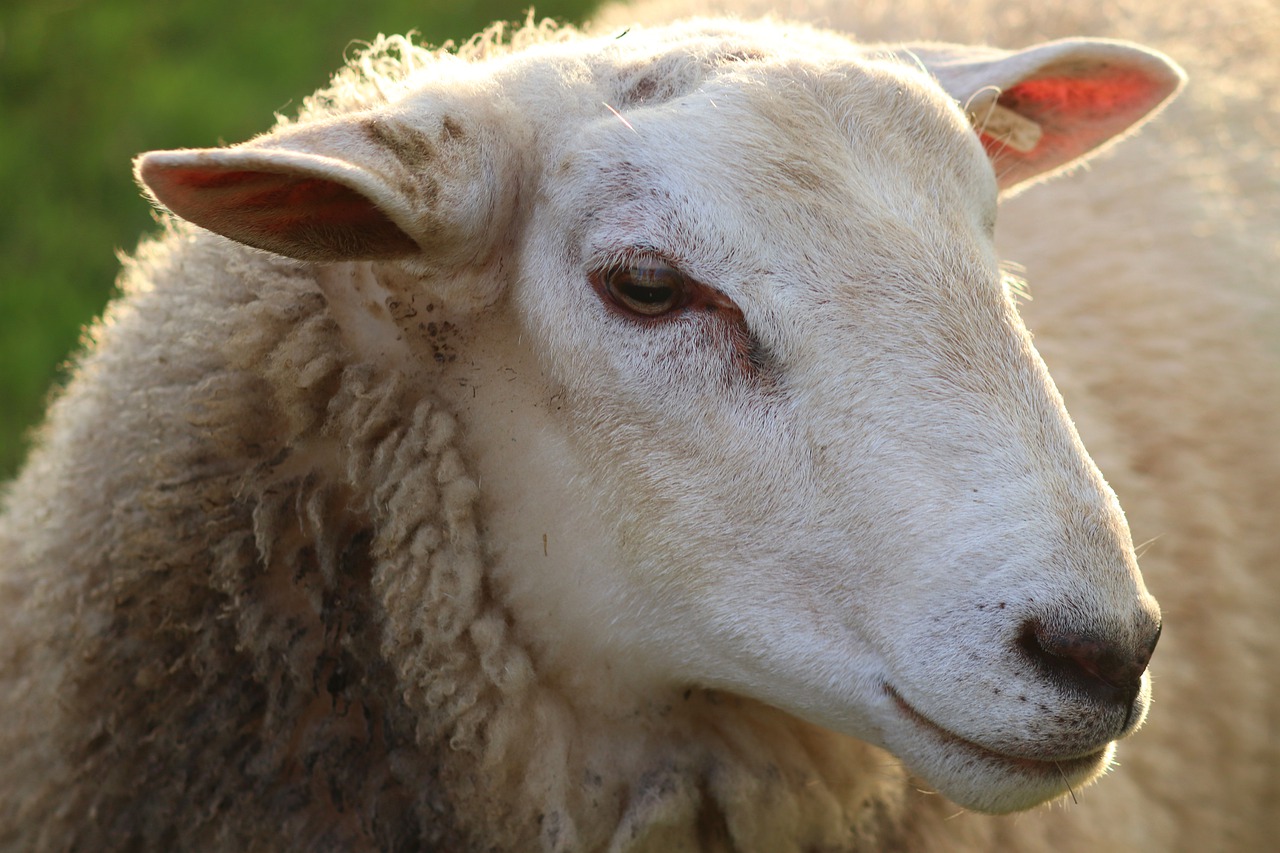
pixel 1038 111
pixel 294 203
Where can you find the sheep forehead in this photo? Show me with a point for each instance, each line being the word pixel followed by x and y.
pixel 656 65
pixel 808 175
pixel 758 107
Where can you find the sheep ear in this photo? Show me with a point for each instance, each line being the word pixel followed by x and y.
pixel 370 187
pixel 1042 109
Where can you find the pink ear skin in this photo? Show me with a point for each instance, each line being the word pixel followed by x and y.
pixel 1041 109
pixel 305 216
pixel 1075 116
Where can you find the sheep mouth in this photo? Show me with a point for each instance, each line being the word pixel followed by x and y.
pixel 1066 768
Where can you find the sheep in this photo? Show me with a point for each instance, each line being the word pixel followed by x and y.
pixel 628 439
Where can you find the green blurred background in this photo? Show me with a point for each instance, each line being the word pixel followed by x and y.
pixel 87 84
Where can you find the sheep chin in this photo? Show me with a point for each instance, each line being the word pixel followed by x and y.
pixel 979 778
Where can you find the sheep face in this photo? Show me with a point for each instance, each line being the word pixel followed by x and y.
pixel 840 478
pixel 774 392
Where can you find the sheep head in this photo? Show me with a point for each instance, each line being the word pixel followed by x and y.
pixel 745 387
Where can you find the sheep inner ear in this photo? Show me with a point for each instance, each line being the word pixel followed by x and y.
pixel 302 216
pixel 1069 115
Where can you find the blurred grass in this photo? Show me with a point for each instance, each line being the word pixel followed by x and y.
pixel 87 84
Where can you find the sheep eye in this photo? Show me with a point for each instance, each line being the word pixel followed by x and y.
pixel 646 286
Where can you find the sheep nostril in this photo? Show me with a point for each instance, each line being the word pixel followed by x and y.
pixel 1107 672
